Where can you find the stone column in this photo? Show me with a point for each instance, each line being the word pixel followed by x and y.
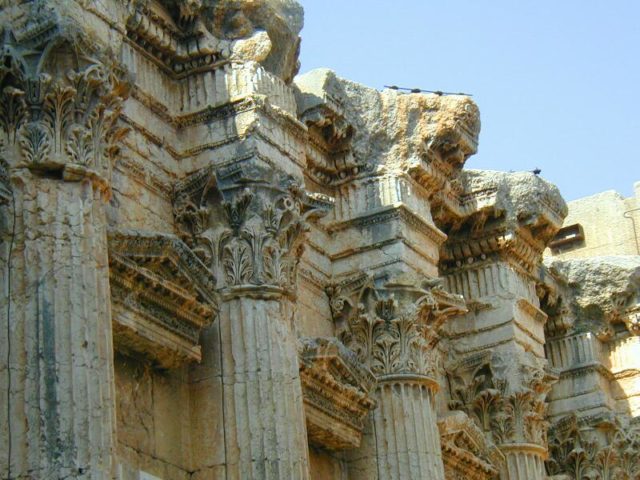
pixel 407 438
pixel 257 224
pixel 391 329
pixel 524 461
pixel 58 137
pixel 506 398
pixel 265 434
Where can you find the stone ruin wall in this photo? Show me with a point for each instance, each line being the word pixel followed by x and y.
pixel 212 268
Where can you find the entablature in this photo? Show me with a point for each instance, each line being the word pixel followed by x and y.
pixel 465 450
pixel 338 393
pixel 514 247
pixel 508 215
pixel 165 294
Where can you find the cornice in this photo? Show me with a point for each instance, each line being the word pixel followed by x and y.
pixel 178 53
pixel 337 392
pixel 513 246
pixel 157 276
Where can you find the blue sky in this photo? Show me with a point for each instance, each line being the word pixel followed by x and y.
pixel 557 82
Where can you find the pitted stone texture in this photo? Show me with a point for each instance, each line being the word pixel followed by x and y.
pixel 57 361
pixel 265 31
pixel 600 286
pixel 392 128
pixel 520 197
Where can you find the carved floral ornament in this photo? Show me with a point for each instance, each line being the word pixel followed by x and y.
pixel 393 328
pixel 604 450
pixel 247 226
pixel 505 412
pixel 62 123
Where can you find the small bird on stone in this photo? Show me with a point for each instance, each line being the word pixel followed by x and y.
pixel 536 171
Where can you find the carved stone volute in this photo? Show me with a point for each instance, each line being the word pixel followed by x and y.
pixel 507 404
pixel 393 327
pixel 60 118
pixel 248 225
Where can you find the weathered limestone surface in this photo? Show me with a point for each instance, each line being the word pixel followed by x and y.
pixel 497 370
pixel 390 155
pixel 593 340
pixel 59 136
pixel 604 290
pixel 214 269
pixel 59 376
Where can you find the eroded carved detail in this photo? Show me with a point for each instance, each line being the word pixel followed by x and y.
pixel 60 120
pixel 337 393
pixel 166 293
pixel 247 225
pixel 605 449
pixel 499 221
pixel 599 295
pixel 467 454
pixel 187 36
pixel 506 411
pixel 393 327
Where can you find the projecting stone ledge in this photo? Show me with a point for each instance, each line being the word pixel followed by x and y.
pixel 183 36
pixel 519 199
pixel 427 137
pixel 162 296
pixel 605 291
pixel 338 393
pixel 513 215
pixel 465 450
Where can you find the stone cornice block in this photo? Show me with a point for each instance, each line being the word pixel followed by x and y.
pixel 167 296
pixel 465 449
pixel 338 393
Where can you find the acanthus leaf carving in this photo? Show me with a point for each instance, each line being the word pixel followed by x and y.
pixel 391 327
pixel 247 223
pixel 594 448
pixel 51 120
pixel 505 411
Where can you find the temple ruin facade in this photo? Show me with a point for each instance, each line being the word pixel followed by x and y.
pixel 215 268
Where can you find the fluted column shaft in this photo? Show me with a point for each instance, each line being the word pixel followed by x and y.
pixel 407 438
pixel 56 333
pixel 255 229
pixel 265 436
pixel 523 462
pixel 392 332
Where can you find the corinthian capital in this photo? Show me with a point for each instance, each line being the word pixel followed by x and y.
pixel 248 224
pixel 59 110
pixel 506 399
pixel 393 327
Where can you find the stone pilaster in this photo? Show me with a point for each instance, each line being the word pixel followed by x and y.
pixel 58 139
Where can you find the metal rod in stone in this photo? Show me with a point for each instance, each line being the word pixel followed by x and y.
pixel 419 90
